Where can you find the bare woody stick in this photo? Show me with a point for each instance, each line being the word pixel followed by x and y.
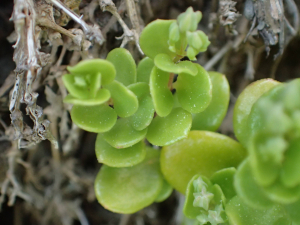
pixel 91 32
pixel 129 35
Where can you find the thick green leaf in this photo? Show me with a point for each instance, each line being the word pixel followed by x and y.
pixel 99 118
pixel 144 115
pixel 165 192
pixel 293 211
pixel 224 178
pixel 281 194
pixel 129 189
pixel 140 89
pixel 204 201
pixel 211 118
pixel 123 135
pixel 248 190
pixel 154 38
pixel 165 63
pixel 95 66
pixel 290 173
pixel 189 210
pixel 265 156
pixel 162 96
pixel 124 64
pixel 144 69
pixel 103 95
pixel 125 101
pixel 202 152
pixel 167 130
pixel 240 213
pixel 76 89
pixel 194 92
pixel 116 157
pixel 244 105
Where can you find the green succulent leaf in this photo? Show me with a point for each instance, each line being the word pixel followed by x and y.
pixel 76 88
pixel 129 189
pixel 144 69
pixel 194 92
pixel 116 157
pixel 165 63
pixel 279 193
pixel 140 89
pixel 224 178
pixel 290 173
pixel 211 118
pixel 144 115
pixel 244 105
pixel 293 211
pixel 124 64
pixel 248 190
pixel 152 43
pixel 240 213
pixel 198 184
pixel 125 101
pixel 165 192
pixel 188 21
pixel 167 130
pixel 97 118
pixel 162 97
pixel 266 155
pixel 123 135
pixel 93 67
pixel 103 95
pixel 202 152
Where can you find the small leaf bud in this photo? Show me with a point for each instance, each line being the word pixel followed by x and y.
pixel 188 21
pixel 191 53
pixel 194 40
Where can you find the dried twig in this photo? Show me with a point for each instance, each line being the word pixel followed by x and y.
pixel 128 35
pixel 92 32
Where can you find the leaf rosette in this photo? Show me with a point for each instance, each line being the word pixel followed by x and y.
pixel 273 146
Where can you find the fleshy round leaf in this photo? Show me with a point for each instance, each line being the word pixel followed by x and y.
pixel 290 173
pixel 103 95
pixel 224 178
pixel 189 210
pixel 167 130
pixel 125 101
pixel 162 96
pixel 129 189
pixel 95 66
pixel 194 92
pixel 263 151
pixel 165 63
pixel 246 188
pixel 202 152
pixel 98 118
pixel 293 212
pixel 154 38
pixel 165 192
pixel 124 64
pixel 144 115
pixel 140 89
pixel 239 213
pixel 116 157
pixel 281 194
pixel 144 69
pixel 123 135
pixel 78 91
pixel 211 118
pixel 244 105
